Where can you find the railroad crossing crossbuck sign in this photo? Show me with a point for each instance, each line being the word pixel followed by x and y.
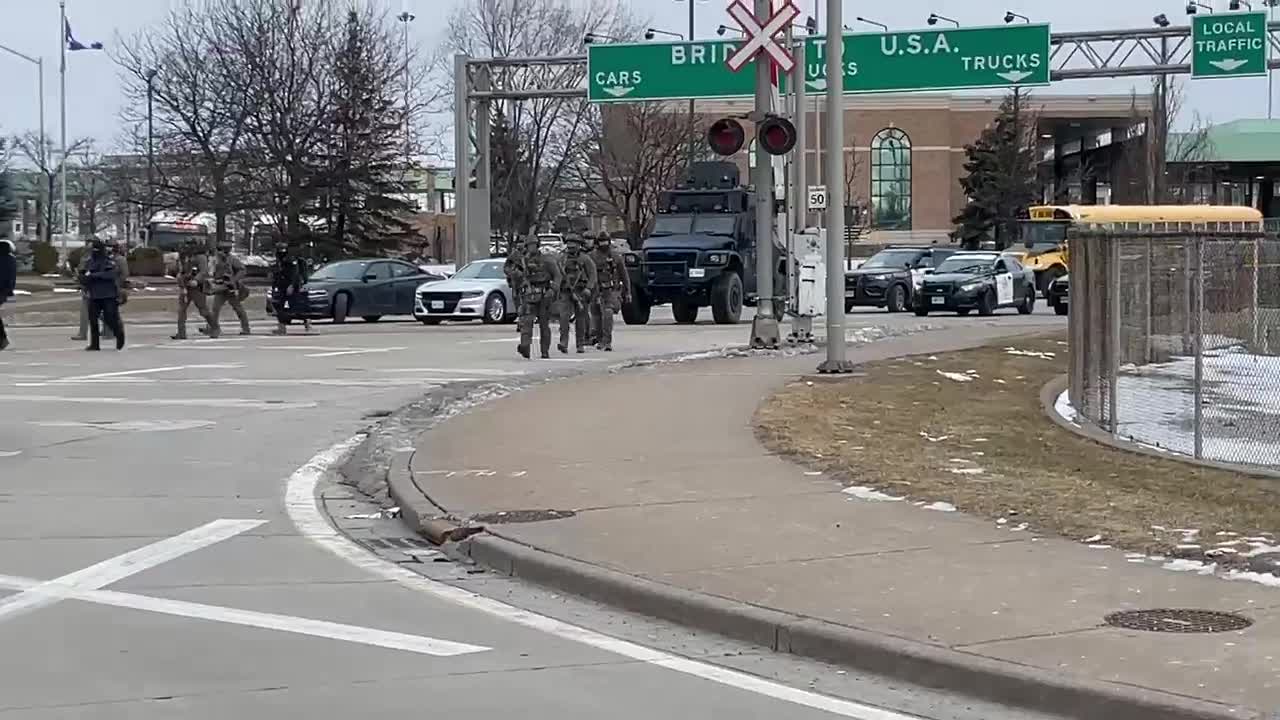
pixel 760 38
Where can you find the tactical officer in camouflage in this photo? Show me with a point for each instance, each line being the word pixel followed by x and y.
pixel 193 282
pixel 613 289
pixel 575 293
pixel 536 280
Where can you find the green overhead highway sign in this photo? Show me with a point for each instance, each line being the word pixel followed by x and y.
pixel 953 59
pixel 665 71
pixel 1229 45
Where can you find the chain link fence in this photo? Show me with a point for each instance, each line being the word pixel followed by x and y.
pixel 1175 339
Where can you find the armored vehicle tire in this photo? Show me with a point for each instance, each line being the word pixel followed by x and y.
pixel 371 318
pixel 686 313
pixel 896 300
pixel 726 299
pixel 341 304
pixel 922 311
pixel 636 312
pixel 987 303
pixel 1060 308
pixel 963 311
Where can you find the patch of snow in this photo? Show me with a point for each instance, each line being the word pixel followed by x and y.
pixel 1195 566
pixel 10 453
pixel 1001 382
pixel 980 440
pixel 866 493
pixel 1002 521
pixel 1020 527
pixel 931 438
pixel 940 507
pixel 932 357
pixel 1092 539
pixel 1099 547
pixel 966 471
pixel 1030 353
pixel 1062 406
pixel 1262 549
pixel 958 377
pixel 66 290
pixel 812 473
pixel 1261 578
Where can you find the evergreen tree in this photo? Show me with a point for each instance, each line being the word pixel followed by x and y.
pixel 1000 176
pixel 367 181
pixel 8 205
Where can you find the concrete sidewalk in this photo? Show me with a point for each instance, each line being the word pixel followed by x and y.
pixel 679 513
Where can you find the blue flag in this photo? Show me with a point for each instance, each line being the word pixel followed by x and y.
pixel 74 44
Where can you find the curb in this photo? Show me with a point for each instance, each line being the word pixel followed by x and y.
pixel 1086 429
pixel 896 658
pixel 918 663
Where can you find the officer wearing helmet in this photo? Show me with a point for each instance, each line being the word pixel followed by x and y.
pixel 288 274
pixel 535 278
pixel 613 289
pixel 193 284
pixel 575 293
pixel 228 286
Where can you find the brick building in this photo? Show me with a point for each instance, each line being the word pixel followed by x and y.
pixel 908 152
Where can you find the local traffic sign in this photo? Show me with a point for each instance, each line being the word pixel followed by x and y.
pixel 962 58
pixel 952 59
pixel 817 197
pixel 760 36
pixel 1229 45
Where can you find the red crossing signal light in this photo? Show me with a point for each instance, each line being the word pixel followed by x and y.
pixel 726 136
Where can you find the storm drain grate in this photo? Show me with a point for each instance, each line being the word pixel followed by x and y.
pixel 396 543
pixel 521 516
pixel 1178 621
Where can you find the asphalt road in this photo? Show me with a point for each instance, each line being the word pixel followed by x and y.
pixel 161 554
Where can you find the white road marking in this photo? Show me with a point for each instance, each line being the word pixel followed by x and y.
pixel 364 351
pixel 152 371
pixel 10 453
pixel 251 382
pixel 249 618
pixel 465 371
pixel 122 566
pixel 129 425
pixel 186 345
pixel 301 504
pixel 486 342
pixel 240 403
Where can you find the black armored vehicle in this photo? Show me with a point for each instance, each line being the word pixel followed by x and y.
pixel 702 250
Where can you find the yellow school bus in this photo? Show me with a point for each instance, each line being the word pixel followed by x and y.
pixel 1043 228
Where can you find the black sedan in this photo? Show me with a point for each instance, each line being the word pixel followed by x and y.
pixel 890 278
pixel 1059 294
pixel 366 288
pixel 982 281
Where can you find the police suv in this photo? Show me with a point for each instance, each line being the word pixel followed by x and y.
pixel 982 281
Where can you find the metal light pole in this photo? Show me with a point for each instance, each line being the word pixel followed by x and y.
pixel 692 104
pixel 39 63
pixel 62 101
pixel 405 18
pixel 764 328
pixel 151 156
pixel 836 361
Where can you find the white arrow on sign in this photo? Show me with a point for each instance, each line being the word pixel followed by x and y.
pixel 760 37
pixel 818 85
pixel 1014 76
pixel 1229 64
pixel 618 91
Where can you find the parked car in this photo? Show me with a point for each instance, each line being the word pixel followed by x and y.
pixel 982 281
pixel 369 288
pixel 1059 293
pixel 478 291
pixel 891 278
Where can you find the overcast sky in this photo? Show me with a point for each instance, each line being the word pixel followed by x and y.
pixel 93 89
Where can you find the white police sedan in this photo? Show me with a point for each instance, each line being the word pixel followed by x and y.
pixel 478 291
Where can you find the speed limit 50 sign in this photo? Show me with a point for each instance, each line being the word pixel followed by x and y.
pixel 817 197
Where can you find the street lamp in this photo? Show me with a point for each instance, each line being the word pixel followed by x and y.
pixel 880 25
pixel 935 17
pixel 1010 16
pixel 1162 20
pixel 1193 7
pixel 405 18
pixel 68 43
pixel 651 32
pixel 1235 5
pixel 151 155
pixel 593 37
pixel 725 28
pixel 39 63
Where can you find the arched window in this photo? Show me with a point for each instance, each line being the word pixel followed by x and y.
pixel 891 180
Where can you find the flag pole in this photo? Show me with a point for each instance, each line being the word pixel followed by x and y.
pixel 62 72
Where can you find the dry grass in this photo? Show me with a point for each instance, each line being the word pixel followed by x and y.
pixel 1021 466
